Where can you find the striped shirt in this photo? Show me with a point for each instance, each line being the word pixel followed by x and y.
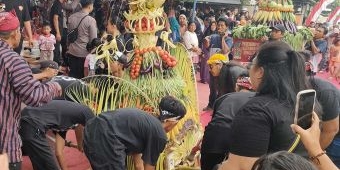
pixel 17 85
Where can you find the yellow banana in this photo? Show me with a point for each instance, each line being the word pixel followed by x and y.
pixel 261 16
pixel 279 15
pixel 270 16
pixel 257 16
pixel 265 18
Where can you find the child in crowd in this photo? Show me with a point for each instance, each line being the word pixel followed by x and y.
pixel 90 61
pixel 46 42
pixel 335 59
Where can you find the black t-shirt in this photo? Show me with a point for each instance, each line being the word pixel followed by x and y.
pixel 21 10
pixel 57 9
pixel 57 115
pixel 329 98
pixel 263 126
pixel 65 82
pixel 216 137
pixel 139 131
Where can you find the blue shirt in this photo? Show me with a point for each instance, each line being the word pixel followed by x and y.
pixel 216 41
pixel 321 45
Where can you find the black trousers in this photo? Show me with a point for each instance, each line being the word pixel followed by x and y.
pixel 213 91
pixel 76 66
pixel 15 166
pixel 63 43
pixel 57 53
pixel 210 160
pixel 35 145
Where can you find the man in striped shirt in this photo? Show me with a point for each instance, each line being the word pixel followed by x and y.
pixel 17 85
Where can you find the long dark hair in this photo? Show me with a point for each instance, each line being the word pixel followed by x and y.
pixel 284 71
pixel 282 160
pixel 116 20
pixel 208 31
pixel 228 77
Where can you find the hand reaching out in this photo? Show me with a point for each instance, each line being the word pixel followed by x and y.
pixel 50 72
pixel 310 137
pixel 4 161
pixel 311 140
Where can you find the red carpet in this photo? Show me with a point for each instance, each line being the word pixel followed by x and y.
pixel 74 159
pixel 77 161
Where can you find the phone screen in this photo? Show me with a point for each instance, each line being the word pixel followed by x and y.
pixel 305 109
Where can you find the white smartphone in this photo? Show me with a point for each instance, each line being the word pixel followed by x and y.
pixel 304 107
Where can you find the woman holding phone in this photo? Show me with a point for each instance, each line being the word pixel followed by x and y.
pixel 290 161
pixel 263 125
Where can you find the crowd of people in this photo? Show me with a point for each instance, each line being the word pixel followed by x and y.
pixel 252 122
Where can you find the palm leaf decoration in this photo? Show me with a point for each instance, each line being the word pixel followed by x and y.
pixel 103 93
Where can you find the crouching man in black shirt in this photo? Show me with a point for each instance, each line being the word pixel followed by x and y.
pixel 113 135
pixel 57 115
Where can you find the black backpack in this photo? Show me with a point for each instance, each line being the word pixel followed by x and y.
pixel 72 36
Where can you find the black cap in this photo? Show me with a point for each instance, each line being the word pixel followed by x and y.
pixel 48 64
pixel 279 27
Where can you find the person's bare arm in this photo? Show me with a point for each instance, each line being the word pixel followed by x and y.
pixel 149 167
pixel 59 151
pixel 79 136
pixel 225 48
pixel 28 28
pixel 4 161
pixel 86 71
pixel 46 74
pixel 138 162
pixel 315 49
pixel 206 42
pixel 56 26
pixel 329 130
pixel 236 162
pixel 309 139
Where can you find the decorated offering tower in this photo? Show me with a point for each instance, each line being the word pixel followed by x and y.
pixel 151 73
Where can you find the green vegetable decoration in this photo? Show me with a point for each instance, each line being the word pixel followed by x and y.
pixel 299 39
pixel 271 13
pixel 250 32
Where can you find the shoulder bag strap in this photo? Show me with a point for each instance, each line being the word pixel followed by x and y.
pixel 81 21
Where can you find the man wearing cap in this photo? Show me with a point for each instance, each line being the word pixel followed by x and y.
pixel 17 85
pixel 113 135
pixel 277 32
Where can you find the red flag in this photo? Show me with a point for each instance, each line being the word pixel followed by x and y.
pixel 316 10
pixel 334 14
